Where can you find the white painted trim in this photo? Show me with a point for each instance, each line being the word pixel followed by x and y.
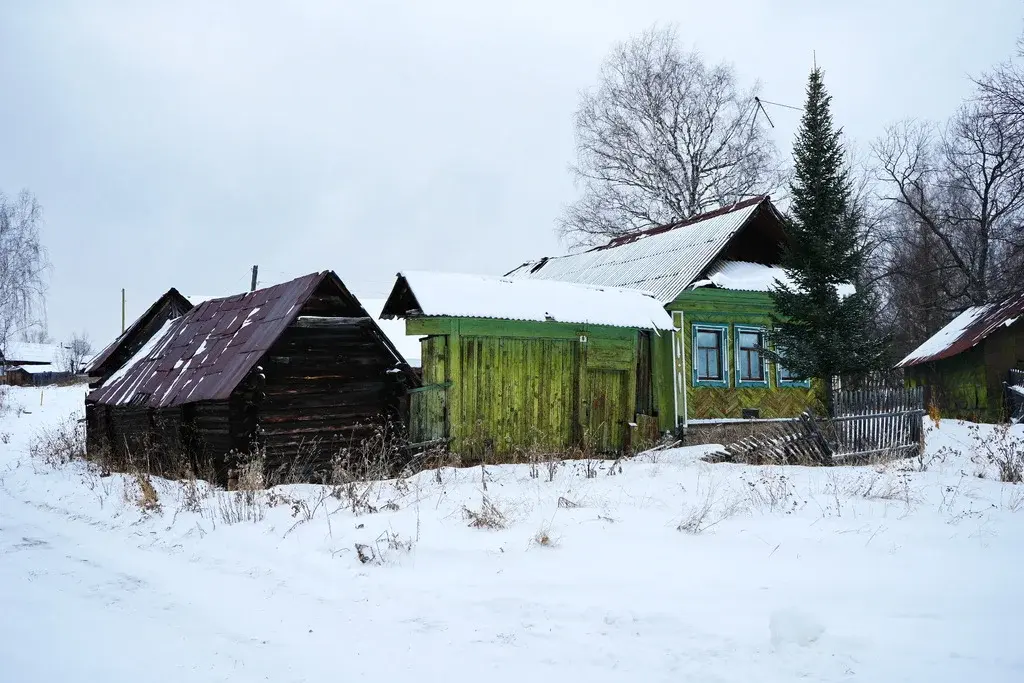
pixel 679 365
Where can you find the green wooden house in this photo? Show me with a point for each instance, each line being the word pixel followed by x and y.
pixel 712 274
pixel 510 365
pixel 967 363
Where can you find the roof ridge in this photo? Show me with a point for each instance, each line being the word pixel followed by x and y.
pixel 699 218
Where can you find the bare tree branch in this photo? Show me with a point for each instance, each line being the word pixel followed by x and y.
pixel 23 267
pixel 664 137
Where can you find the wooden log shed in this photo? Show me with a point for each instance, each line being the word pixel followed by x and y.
pixel 296 369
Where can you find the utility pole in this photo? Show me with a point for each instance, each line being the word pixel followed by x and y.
pixel 252 287
pixel 122 311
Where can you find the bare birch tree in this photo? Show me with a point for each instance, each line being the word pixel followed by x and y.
pixel 663 137
pixel 74 352
pixel 23 266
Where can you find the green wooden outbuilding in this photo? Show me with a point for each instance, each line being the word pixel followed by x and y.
pixel 967 364
pixel 712 274
pixel 510 365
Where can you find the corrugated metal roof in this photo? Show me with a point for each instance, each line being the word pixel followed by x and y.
pixel 662 260
pixel 483 296
pixel 97 361
pixel 967 330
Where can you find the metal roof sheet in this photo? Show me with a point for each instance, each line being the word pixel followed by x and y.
pixel 204 354
pixel 662 260
pixel 967 330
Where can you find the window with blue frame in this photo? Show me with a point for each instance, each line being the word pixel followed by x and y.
pixel 751 368
pixel 710 355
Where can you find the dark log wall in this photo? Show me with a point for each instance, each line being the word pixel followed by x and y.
pixel 326 389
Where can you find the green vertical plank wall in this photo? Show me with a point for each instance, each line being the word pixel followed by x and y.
pixel 517 385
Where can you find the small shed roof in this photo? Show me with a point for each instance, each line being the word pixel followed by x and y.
pixel 28 353
pixel 419 293
pixel 662 260
pixel 204 354
pixel 407 345
pixel 966 330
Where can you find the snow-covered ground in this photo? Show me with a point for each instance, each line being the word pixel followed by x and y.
pixel 872 573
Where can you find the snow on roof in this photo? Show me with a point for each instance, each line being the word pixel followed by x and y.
pixel 407 345
pixel 482 296
pixel 39 369
pixel 966 330
pixel 143 352
pixel 22 353
pixel 171 300
pixel 663 260
pixel 756 277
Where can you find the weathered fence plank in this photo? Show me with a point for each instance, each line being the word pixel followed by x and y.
pixel 866 422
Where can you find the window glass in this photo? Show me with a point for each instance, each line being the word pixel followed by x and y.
pixel 709 355
pixel 751 368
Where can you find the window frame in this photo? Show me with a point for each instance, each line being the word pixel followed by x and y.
pixel 722 330
pixel 762 332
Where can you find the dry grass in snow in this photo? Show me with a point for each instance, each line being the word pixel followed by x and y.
pixel 901 571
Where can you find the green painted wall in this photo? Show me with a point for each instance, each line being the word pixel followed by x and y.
pixel 513 386
pixel 730 308
pixel 959 386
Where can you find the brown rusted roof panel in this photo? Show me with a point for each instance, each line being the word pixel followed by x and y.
pixel 204 354
pixel 967 330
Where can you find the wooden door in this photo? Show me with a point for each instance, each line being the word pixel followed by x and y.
pixel 606 406
pixel 428 404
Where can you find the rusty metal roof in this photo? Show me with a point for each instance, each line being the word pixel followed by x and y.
pixel 662 260
pixel 170 296
pixel 204 354
pixel 967 330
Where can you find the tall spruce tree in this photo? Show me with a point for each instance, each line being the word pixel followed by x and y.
pixel 818 332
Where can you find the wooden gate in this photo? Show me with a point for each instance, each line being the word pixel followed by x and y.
pixel 428 404
pixel 428 413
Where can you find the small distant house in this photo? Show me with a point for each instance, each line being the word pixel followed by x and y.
pixel 514 364
pixel 109 360
pixel 296 370
pixel 31 364
pixel 712 274
pixel 968 362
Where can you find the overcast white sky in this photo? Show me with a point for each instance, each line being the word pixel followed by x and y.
pixel 178 145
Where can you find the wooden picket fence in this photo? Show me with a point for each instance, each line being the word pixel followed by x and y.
pixel 884 421
pixel 881 422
